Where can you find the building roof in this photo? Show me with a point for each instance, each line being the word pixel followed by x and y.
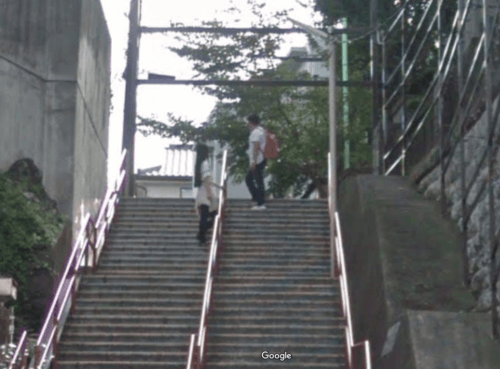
pixel 178 163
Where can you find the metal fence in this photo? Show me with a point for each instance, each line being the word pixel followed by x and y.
pixel 429 114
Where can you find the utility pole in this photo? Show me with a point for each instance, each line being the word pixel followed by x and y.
pixel 345 77
pixel 376 129
pixel 331 39
pixel 332 105
pixel 130 111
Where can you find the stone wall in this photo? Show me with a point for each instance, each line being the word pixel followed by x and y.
pixel 478 247
pixel 55 96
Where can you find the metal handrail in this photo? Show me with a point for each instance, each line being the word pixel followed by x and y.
pixel 448 54
pixel 479 70
pixel 20 350
pixel 410 45
pixel 196 356
pixel 339 271
pixel 64 299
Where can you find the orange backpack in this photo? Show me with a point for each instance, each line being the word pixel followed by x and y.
pixel 272 150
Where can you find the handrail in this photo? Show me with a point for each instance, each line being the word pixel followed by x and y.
pixel 455 32
pixel 339 270
pixel 64 299
pixel 479 69
pixel 196 356
pixel 20 350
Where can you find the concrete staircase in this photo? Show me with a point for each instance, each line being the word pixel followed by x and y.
pixel 274 292
pixel 138 310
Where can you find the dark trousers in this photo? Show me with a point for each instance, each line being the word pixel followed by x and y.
pixel 206 222
pixel 255 183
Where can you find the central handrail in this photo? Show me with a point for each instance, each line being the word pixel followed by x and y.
pixel 339 271
pixel 196 356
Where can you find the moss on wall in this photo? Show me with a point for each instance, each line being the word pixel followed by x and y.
pixel 29 227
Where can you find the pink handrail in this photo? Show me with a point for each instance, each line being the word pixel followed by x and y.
pixel 84 247
pixel 339 271
pixel 20 350
pixel 196 356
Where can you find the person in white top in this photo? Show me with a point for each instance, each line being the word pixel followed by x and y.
pixel 203 190
pixel 256 147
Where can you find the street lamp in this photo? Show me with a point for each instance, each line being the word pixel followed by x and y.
pixel 332 98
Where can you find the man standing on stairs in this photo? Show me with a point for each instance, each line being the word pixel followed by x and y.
pixel 256 147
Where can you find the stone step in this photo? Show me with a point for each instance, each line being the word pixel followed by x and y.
pixel 100 327
pixel 125 356
pixel 274 364
pixel 276 287
pixel 263 319
pixel 249 232
pixel 178 268
pixel 304 358
pixel 324 312
pixel 280 211
pixel 79 364
pixel 134 319
pixel 187 245
pixel 144 279
pixel 188 226
pixel 192 260
pixel 82 346
pixel 109 272
pixel 258 303
pixel 150 302
pixel 283 280
pixel 227 253
pixel 223 294
pixel 304 237
pixel 193 320
pixel 284 330
pixel 264 340
pixel 267 269
pixel 94 285
pixel 121 337
pixel 139 294
pixel 160 311
pixel 191 245
pixel 256 349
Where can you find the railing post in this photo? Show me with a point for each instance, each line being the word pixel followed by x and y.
pixel 384 99
pixel 463 185
pixel 55 344
pixel 491 199
pixel 403 89
pixel 439 113
pixel 38 355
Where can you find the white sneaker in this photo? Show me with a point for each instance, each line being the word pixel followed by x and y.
pixel 259 207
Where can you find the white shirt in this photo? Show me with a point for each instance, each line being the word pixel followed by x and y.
pixel 257 135
pixel 200 193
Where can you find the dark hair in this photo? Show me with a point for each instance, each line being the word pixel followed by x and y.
pixel 254 119
pixel 201 156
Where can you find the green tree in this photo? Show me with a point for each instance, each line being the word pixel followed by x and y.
pixel 298 115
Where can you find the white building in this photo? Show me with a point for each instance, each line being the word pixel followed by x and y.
pixel 172 179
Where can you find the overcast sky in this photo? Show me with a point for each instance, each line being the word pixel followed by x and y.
pixel 157 101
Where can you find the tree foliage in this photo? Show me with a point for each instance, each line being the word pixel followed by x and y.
pixel 298 115
pixel 29 227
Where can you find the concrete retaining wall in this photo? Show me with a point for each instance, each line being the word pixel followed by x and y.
pixel 400 255
pixel 55 95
